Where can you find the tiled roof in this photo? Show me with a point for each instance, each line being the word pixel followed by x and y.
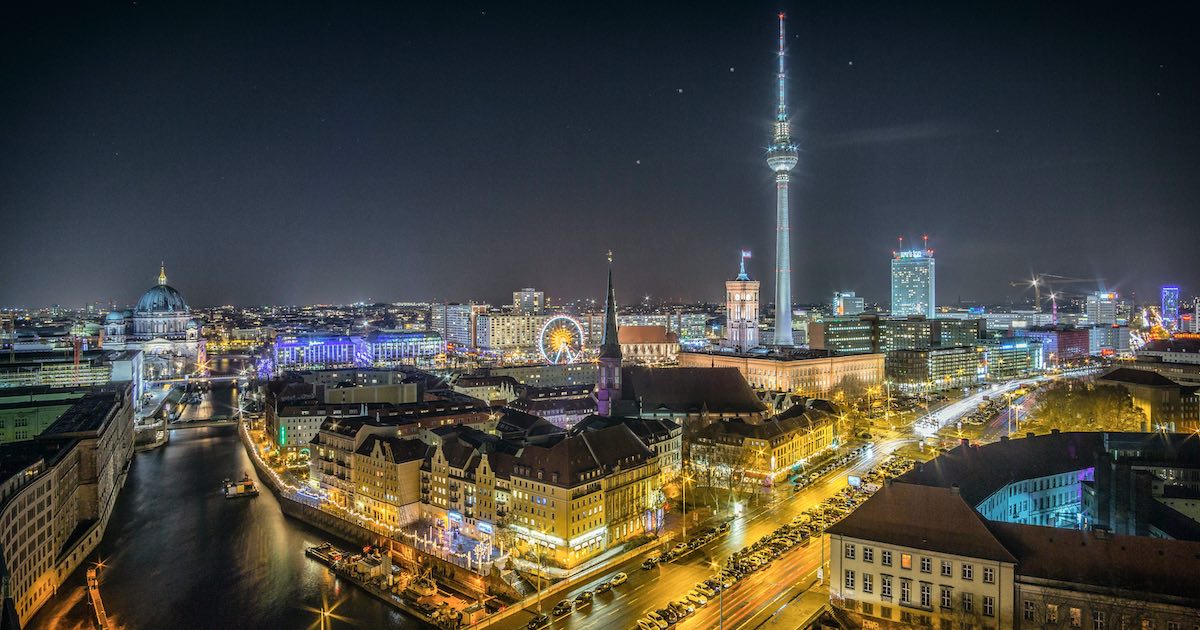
pixel 923 517
pixel 648 430
pixel 1139 377
pixel 981 470
pixel 689 390
pixel 1151 566
pixel 646 334
pixel 395 450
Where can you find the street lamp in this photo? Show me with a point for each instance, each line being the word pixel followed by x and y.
pixel 684 483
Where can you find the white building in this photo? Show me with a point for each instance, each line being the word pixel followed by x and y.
pixel 161 326
pixel 741 311
pixel 913 285
pixel 529 301
pixel 500 332
pixel 1102 308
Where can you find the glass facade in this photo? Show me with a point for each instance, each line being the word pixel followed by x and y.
pixel 913 283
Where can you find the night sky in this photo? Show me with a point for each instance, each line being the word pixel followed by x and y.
pixel 287 153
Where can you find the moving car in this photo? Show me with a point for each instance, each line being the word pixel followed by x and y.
pixel 562 608
pixel 618 579
pixel 540 621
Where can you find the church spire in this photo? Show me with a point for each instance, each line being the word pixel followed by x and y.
pixel 610 347
pixel 162 273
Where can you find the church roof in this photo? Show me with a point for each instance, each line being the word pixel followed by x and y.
pixel 161 298
pixel 646 334
pixel 610 347
pixel 689 390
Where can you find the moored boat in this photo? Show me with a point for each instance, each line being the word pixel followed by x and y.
pixel 240 489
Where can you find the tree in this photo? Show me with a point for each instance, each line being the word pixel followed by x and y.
pixel 1082 406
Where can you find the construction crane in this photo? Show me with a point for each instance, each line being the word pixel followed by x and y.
pixel 1050 281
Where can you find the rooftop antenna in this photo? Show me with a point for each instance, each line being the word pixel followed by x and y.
pixel 782 115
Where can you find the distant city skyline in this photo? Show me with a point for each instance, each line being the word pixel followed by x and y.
pixel 405 153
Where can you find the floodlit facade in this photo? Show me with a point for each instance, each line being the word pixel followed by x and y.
pixel 1170 307
pixel 1102 308
pixel 741 311
pixel 529 301
pixel 814 374
pixel 913 283
pixel 846 303
pixel 378 349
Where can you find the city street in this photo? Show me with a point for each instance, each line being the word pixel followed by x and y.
pixel 651 590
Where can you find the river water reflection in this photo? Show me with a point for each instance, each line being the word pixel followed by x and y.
pixel 178 555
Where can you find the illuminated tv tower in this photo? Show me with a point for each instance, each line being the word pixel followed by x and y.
pixel 781 158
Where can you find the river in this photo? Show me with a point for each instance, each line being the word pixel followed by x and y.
pixel 178 555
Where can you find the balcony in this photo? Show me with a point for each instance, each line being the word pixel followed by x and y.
pixel 453 497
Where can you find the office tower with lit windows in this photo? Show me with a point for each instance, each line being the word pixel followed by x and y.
pixel 1170 307
pixel 529 301
pixel 913 287
pixel 1102 308
pixel 847 303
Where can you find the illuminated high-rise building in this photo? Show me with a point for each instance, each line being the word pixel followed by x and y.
pixel 913 286
pixel 782 158
pixel 1170 307
pixel 847 303
pixel 529 301
pixel 741 310
pixel 1102 308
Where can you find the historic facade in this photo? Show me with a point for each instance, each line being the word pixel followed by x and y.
pixel 161 326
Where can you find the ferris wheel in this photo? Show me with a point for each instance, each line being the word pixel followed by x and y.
pixel 561 340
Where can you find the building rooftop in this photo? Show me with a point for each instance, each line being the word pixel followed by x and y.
pixel 1135 376
pixel 1152 566
pixel 979 471
pixel 923 517
pixel 794 354
pixel 1179 343
pixel 87 415
pixel 395 450
pixel 646 334
pixel 688 390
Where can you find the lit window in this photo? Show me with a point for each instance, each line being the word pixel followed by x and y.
pixel 905 561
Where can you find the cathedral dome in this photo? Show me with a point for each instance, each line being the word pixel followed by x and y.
pixel 161 298
pixel 192 325
pixel 114 317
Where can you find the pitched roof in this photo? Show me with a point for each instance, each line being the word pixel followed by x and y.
pixel 689 389
pixel 796 419
pixel 981 470
pixel 610 347
pixel 646 334
pixel 1151 566
pixel 564 462
pixel 1139 377
pixel 648 430
pixel 394 449
pixel 923 517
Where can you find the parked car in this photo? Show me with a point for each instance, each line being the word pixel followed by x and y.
pixel 679 548
pixel 562 608
pixel 584 598
pixel 603 587
pixel 696 597
pixel 649 563
pixel 540 621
